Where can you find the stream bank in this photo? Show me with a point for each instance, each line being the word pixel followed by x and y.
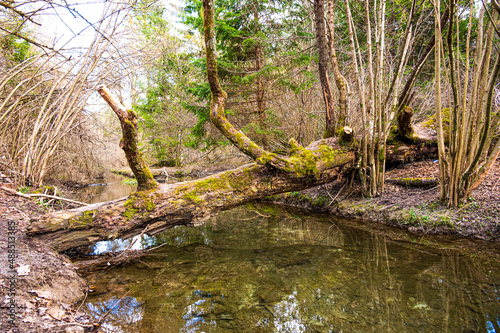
pixel 416 209
pixel 45 283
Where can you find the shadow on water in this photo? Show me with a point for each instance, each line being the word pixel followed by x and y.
pixel 266 269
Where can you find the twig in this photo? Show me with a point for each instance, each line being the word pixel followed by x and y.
pixel 84 299
pixel 23 213
pixel 29 196
pixel 335 197
pixel 164 172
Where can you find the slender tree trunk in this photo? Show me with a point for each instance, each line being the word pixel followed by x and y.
pixel 410 81
pixel 437 72
pixel 363 163
pixel 261 107
pixel 129 142
pixel 319 18
pixel 340 81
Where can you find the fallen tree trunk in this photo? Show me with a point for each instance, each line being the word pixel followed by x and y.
pixel 192 202
pixel 413 182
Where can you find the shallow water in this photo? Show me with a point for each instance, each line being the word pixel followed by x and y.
pixel 111 188
pixel 265 269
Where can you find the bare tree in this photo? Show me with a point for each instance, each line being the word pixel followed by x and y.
pixel 47 96
pixel 473 144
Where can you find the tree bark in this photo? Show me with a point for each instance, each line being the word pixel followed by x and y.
pixel 261 107
pixel 319 18
pixel 129 142
pixel 339 79
pixel 405 130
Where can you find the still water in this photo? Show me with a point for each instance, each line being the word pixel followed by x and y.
pixel 110 188
pixel 266 269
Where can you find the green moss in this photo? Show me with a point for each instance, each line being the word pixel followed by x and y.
pixel 50 190
pixel 193 197
pixel 266 158
pixel 270 210
pixel 432 123
pixel 130 213
pixel 305 197
pixel 83 221
pixel 139 202
pixel 320 201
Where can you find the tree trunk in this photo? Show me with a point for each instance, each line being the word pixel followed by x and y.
pixel 129 142
pixel 339 79
pixel 319 17
pixel 261 108
pixel 405 130
pixel 193 202
pixel 189 203
pixel 404 96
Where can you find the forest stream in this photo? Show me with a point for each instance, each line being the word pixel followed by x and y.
pixel 259 268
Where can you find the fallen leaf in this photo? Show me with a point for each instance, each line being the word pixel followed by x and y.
pixel 56 313
pixel 23 270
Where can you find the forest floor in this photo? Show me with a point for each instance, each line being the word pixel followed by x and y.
pixel 416 209
pixel 49 291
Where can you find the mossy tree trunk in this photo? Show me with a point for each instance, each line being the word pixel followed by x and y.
pixel 189 203
pixel 193 202
pixel 129 142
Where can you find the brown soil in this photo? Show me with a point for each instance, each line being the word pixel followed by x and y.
pixel 46 295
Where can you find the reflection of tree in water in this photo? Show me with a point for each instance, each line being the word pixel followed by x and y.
pixel 128 314
pixel 271 271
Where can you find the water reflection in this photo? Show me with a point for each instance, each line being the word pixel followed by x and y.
pixel 111 190
pixel 286 272
pixel 139 242
pixel 122 312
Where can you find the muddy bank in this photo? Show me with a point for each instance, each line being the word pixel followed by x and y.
pixel 45 283
pixel 416 209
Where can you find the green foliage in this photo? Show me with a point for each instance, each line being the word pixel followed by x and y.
pixel 16 49
pixel 129 181
pixel 258 44
pixel 24 189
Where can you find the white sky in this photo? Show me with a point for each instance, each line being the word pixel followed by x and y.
pixel 60 25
